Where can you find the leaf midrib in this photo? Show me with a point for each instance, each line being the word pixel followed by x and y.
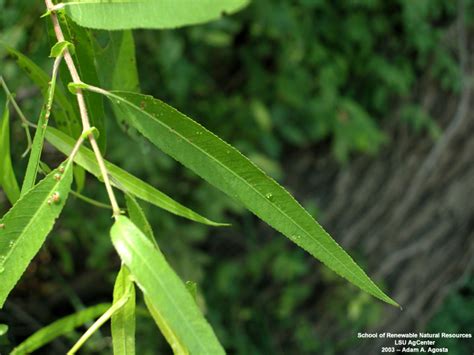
pixel 369 285
pixel 122 316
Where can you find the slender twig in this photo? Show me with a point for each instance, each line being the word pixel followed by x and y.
pixel 14 103
pixel 83 108
pixel 24 121
pixel 98 323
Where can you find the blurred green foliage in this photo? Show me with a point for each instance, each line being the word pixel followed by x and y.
pixel 298 72
pixel 280 75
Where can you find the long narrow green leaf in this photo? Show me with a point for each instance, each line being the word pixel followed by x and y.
pixel 123 321
pixel 226 168
pixel 35 154
pixel 25 227
pixel 137 216
pixel 120 15
pixel 37 147
pixel 8 180
pixel 123 180
pixel 64 114
pixel 164 289
pixel 58 328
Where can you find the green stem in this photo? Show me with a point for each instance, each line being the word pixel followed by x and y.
pixel 98 323
pixel 82 107
pixel 91 201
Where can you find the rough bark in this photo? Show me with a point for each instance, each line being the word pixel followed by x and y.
pixel 410 209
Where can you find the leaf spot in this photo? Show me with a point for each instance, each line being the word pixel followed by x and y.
pixel 55 198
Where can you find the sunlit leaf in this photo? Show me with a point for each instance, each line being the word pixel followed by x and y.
pixel 24 228
pixel 226 168
pixel 120 14
pixel 123 321
pixel 37 147
pixel 35 154
pixel 137 216
pixel 79 177
pixel 58 328
pixel 122 179
pixel 164 290
pixel 8 180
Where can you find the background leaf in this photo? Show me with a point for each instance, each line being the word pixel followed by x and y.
pixel 119 15
pixel 116 63
pixel 25 227
pixel 226 168
pixel 163 288
pixel 123 321
pixel 8 180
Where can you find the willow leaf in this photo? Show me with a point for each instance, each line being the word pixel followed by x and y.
pixel 116 62
pixel 137 216
pixel 25 226
pixel 35 154
pixel 8 180
pixel 122 179
pixel 170 336
pixel 226 168
pixel 37 147
pixel 164 289
pixel 58 328
pixel 123 14
pixel 123 321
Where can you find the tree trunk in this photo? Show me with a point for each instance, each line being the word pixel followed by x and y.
pixel 410 209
